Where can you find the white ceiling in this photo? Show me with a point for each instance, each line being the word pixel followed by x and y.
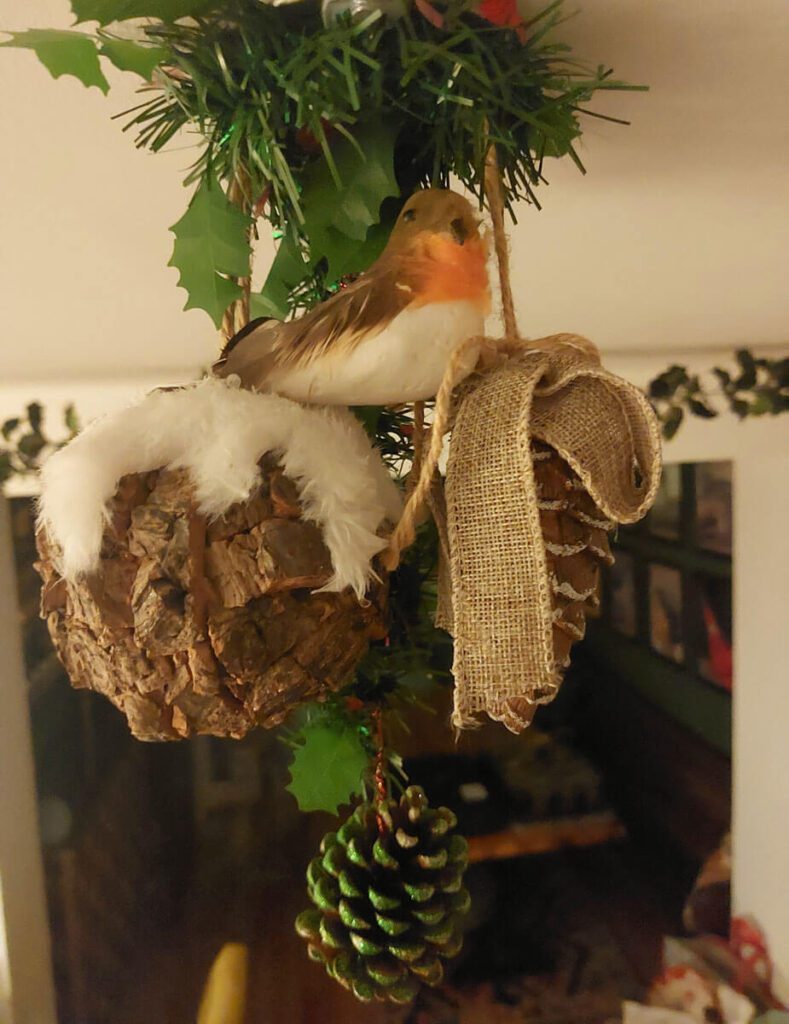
pixel 677 238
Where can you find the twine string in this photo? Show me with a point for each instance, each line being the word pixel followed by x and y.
pixel 495 197
pixel 419 445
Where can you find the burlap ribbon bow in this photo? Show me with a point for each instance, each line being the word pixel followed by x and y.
pixel 494 596
pixel 494 590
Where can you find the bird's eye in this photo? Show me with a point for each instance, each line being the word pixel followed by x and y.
pixel 409 215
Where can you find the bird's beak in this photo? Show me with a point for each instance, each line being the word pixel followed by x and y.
pixel 459 230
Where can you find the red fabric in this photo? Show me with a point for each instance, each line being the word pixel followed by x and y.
pixel 750 947
pixel 719 650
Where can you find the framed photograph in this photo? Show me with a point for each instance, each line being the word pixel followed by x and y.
pixel 713 513
pixel 622 595
pixel 664 517
pixel 665 612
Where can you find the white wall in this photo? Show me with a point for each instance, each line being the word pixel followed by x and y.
pixel 761 700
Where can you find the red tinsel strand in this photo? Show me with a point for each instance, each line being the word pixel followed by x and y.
pixel 381 785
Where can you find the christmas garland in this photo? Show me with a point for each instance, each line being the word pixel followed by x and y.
pixel 270 86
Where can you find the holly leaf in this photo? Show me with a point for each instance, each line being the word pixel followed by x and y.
pixel 35 416
pixel 672 422
pixel 287 270
pixel 31 445
pixel 127 55
pixel 747 378
pixel 327 768
pixel 763 404
pixel 349 256
pixel 63 53
pixel 366 177
pixel 71 420
pixel 211 247
pixel 106 11
pixel 9 427
pixel 701 409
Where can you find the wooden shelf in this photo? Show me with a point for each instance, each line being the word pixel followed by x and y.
pixel 523 839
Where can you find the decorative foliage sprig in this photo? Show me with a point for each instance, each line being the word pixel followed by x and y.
pixel 758 387
pixel 26 443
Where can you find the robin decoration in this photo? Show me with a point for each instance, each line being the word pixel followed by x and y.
pixel 388 337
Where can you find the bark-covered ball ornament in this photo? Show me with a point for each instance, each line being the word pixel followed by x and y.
pixel 207 557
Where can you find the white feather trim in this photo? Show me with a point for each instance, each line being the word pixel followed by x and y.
pixel 219 432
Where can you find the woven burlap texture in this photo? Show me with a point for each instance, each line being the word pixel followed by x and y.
pixel 495 594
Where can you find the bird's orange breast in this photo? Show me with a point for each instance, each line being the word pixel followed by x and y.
pixel 448 272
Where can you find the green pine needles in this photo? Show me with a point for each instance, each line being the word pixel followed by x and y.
pixel 323 130
pixel 267 87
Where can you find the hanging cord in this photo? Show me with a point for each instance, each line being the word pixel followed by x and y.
pixel 495 197
pixel 419 446
pixel 405 531
pixel 236 315
pixel 379 774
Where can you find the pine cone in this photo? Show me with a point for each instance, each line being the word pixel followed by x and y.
pixel 575 532
pixel 389 897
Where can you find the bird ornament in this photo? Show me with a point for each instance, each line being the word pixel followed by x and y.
pixel 388 336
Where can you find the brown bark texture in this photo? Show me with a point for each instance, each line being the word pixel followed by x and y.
pixel 192 627
pixel 575 533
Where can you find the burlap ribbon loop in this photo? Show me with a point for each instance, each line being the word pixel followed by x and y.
pixel 495 594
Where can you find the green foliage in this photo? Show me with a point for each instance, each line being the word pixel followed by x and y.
pixel 63 53
pixel 26 442
pixel 329 760
pixel 348 198
pixel 127 55
pixel 107 11
pixel 341 198
pixel 342 233
pixel 268 86
pixel 758 387
pixel 288 269
pixel 211 246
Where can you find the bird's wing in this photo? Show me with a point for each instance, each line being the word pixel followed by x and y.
pixel 338 324
pixel 251 352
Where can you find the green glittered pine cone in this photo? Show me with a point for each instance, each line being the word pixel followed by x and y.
pixel 389 898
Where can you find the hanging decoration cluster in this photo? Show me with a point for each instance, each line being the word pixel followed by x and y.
pixel 322 119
